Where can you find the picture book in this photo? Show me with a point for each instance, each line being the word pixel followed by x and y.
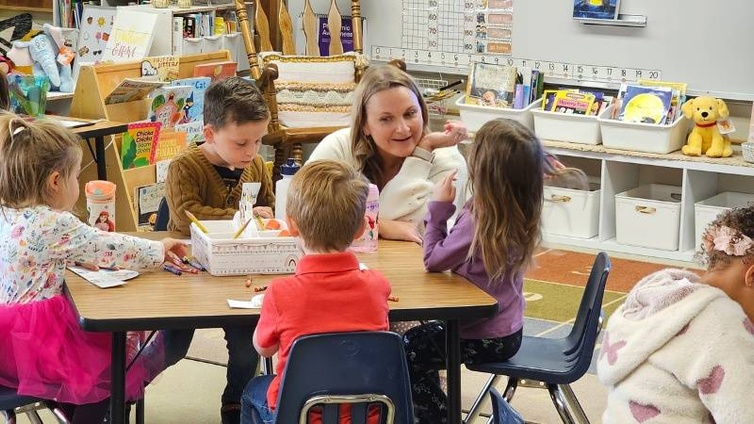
pixel 491 85
pixel 131 37
pixel 194 106
pixel 130 89
pixel 573 102
pixel 138 142
pixel 170 144
pixel 678 98
pixel 194 131
pixel 167 105
pixel 146 202
pixel 596 9
pixel 161 68
pixel 94 32
pixel 648 105
pixel 216 71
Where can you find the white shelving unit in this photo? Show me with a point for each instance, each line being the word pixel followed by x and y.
pixel 618 171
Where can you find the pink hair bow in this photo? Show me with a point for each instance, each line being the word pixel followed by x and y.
pixel 727 240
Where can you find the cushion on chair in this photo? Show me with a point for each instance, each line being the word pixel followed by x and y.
pixel 313 91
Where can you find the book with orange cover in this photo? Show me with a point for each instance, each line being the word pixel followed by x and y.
pixel 216 71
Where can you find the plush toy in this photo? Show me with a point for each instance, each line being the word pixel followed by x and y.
pixel 47 55
pixel 705 138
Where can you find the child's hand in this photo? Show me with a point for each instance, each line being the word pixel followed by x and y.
pixel 399 230
pixel 555 165
pixel 445 189
pixel 263 212
pixel 176 246
pixel 454 132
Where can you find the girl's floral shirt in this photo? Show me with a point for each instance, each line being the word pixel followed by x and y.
pixel 36 243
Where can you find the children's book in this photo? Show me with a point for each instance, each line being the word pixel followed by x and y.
pixel 94 32
pixel 194 106
pixel 596 9
pixel 216 71
pixel 573 102
pixel 194 131
pixel 167 105
pixel 139 140
pixel 161 68
pixel 678 98
pixel 146 202
pixel 131 89
pixel 491 85
pixel 647 105
pixel 170 144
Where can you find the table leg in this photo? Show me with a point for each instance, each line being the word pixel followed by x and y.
pixel 453 341
pixel 118 379
pixel 99 145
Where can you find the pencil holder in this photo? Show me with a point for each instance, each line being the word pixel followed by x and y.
pixel 28 94
pixel 100 203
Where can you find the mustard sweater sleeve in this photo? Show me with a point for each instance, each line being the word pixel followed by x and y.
pixel 265 197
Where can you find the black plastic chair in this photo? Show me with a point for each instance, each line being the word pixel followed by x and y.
pixel 163 216
pixel 556 362
pixel 10 401
pixel 359 368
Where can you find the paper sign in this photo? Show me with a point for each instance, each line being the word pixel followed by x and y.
pixel 131 36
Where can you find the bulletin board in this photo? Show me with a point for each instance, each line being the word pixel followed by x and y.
pixel 701 43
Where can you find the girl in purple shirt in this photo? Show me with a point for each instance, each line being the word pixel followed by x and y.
pixel 491 244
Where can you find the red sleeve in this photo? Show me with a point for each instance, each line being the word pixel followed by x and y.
pixel 267 332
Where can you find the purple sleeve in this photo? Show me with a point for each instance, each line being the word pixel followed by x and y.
pixel 445 250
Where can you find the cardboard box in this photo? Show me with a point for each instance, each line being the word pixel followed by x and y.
pixel 221 254
pixel 649 216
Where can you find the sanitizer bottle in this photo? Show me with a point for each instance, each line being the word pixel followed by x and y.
pixel 287 170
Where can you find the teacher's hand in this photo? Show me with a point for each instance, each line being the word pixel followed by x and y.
pixel 454 132
pixel 399 230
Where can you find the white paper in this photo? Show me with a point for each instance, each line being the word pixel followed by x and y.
pixel 105 278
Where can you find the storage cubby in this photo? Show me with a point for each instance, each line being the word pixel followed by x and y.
pixel 699 178
pixel 94 84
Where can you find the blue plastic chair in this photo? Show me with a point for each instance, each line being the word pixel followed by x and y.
pixel 502 411
pixel 359 368
pixel 10 401
pixel 163 216
pixel 556 362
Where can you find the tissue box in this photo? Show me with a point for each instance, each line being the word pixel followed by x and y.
pixel 221 254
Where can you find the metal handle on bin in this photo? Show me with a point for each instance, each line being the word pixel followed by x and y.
pixel 559 198
pixel 646 209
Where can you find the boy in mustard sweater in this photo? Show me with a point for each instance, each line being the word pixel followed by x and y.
pixel 207 181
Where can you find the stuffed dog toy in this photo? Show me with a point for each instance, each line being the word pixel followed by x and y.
pixel 705 138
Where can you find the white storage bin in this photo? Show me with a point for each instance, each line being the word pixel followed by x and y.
pixel 640 137
pixel 221 254
pixel 707 210
pixel 571 212
pixel 649 216
pixel 572 128
pixel 474 116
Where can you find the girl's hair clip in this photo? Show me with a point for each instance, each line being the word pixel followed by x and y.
pixel 727 240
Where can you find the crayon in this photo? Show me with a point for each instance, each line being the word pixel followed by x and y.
pixel 260 288
pixel 193 219
pixel 172 269
pixel 194 263
pixel 392 298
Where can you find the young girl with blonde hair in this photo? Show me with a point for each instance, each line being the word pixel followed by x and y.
pixel 45 352
pixel 681 347
pixel 491 244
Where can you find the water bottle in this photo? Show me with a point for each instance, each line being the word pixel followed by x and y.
pixel 287 170
pixel 100 203
pixel 368 241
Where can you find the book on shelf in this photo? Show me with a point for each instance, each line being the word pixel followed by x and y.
pixel 162 68
pixel 170 144
pixel 491 85
pixel 647 105
pixel 192 120
pixel 168 105
pixel 596 9
pixel 130 89
pixel 573 102
pixel 216 71
pixel 146 202
pixel 678 98
pixel 138 144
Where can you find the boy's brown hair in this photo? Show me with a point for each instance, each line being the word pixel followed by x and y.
pixel 234 100
pixel 327 200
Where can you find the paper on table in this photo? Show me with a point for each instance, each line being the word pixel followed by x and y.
pixel 255 303
pixel 105 278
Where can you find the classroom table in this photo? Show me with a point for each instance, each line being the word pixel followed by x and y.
pixel 161 300
pixel 98 130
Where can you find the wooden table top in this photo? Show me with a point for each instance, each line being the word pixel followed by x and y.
pixel 159 299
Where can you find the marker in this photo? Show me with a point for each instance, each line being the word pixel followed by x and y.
pixel 193 219
pixel 172 269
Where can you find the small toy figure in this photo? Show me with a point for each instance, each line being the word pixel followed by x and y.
pixel 705 137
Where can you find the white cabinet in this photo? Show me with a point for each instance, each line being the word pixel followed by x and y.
pixel 618 171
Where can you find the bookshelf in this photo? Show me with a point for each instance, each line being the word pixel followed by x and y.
pixel 94 84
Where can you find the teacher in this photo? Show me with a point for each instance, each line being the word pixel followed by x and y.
pixel 390 143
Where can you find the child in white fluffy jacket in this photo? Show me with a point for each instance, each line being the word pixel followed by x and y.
pixel 681 348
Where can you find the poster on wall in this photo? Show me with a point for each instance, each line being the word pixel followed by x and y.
pixel 346 35
pixel 131 36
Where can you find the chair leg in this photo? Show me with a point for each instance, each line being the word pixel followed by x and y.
pixel 558 399
pixel 9 416
pixel 574 404
pixel 474 410
pixel 510 389
pixel 34 417
pixel 140 411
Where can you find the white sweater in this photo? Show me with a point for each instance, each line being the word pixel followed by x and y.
pixel 405 197
pixel 678 351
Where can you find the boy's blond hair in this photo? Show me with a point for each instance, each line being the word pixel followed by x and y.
pixel 327 200
pixel 29 153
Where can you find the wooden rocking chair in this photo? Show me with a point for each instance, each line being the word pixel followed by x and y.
pixel 285 79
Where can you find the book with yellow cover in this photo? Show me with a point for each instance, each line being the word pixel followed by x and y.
pixel 572 102
pixel 491 85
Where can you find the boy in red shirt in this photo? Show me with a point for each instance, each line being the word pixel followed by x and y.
pixel 328 293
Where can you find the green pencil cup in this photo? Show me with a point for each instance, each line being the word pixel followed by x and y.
pixel 28 94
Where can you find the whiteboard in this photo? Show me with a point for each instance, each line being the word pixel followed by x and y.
pixel 717 58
